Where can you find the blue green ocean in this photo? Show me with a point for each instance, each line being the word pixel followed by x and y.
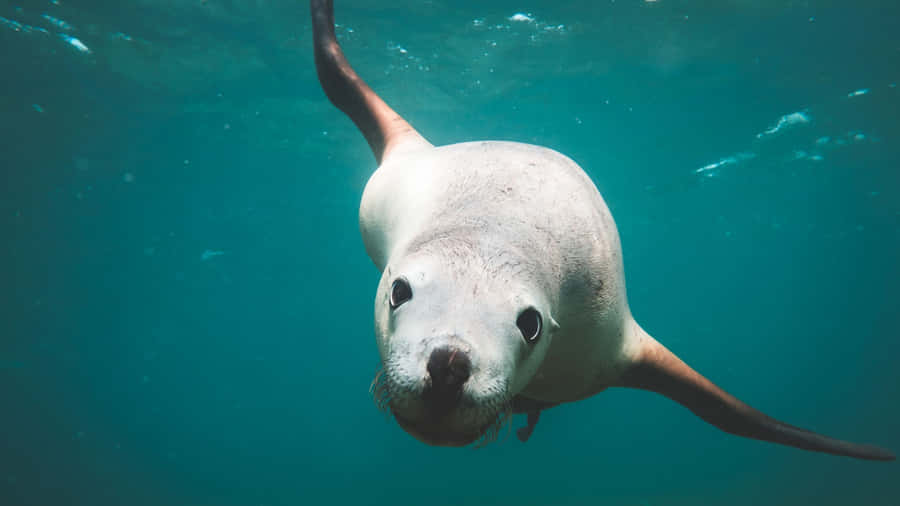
pixel 187 305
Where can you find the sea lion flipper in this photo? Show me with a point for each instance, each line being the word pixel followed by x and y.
pixel 532 408
pixel 524 433
pixel 384 129
pixel 657 369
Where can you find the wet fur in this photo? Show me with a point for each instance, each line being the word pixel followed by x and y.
pixel 383 394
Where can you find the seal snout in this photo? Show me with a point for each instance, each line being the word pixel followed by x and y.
pixel 448 370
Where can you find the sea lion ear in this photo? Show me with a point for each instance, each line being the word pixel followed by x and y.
pixel 551 324
pixel 386 132
pixel 655 368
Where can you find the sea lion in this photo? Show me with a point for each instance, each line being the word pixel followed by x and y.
pixel 502 285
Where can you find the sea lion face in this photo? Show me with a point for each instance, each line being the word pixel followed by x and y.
pixel 458 337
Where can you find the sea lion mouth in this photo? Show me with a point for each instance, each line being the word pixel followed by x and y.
pixel 439 430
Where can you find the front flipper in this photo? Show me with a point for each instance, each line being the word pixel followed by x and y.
pixel 657 369
pixel 385 130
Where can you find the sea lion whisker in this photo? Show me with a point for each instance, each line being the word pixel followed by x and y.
pixel 381 391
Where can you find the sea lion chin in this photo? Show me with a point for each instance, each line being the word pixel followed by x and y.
pixel 435 435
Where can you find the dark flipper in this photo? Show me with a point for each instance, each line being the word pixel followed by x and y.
pixel 383 128
pixel 532 408
pixel 525 432
pixel 657 369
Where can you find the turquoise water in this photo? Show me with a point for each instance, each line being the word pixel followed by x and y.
pixel 188 305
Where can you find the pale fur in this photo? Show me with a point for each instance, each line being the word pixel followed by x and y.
pixel 482 230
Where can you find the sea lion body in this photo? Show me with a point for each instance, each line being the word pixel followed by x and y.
pixel 509 196
pixel 502 286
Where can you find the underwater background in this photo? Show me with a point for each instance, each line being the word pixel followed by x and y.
pixel 187 305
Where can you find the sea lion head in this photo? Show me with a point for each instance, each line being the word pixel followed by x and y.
pixel 462 326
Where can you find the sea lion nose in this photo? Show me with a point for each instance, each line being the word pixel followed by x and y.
pixel 448 369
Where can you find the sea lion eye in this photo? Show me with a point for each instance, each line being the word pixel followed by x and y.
pixel 400 293
pixel 529 323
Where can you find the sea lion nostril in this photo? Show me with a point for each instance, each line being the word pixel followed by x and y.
pixel 448 369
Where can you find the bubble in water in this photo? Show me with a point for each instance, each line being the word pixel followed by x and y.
pixel 522 17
